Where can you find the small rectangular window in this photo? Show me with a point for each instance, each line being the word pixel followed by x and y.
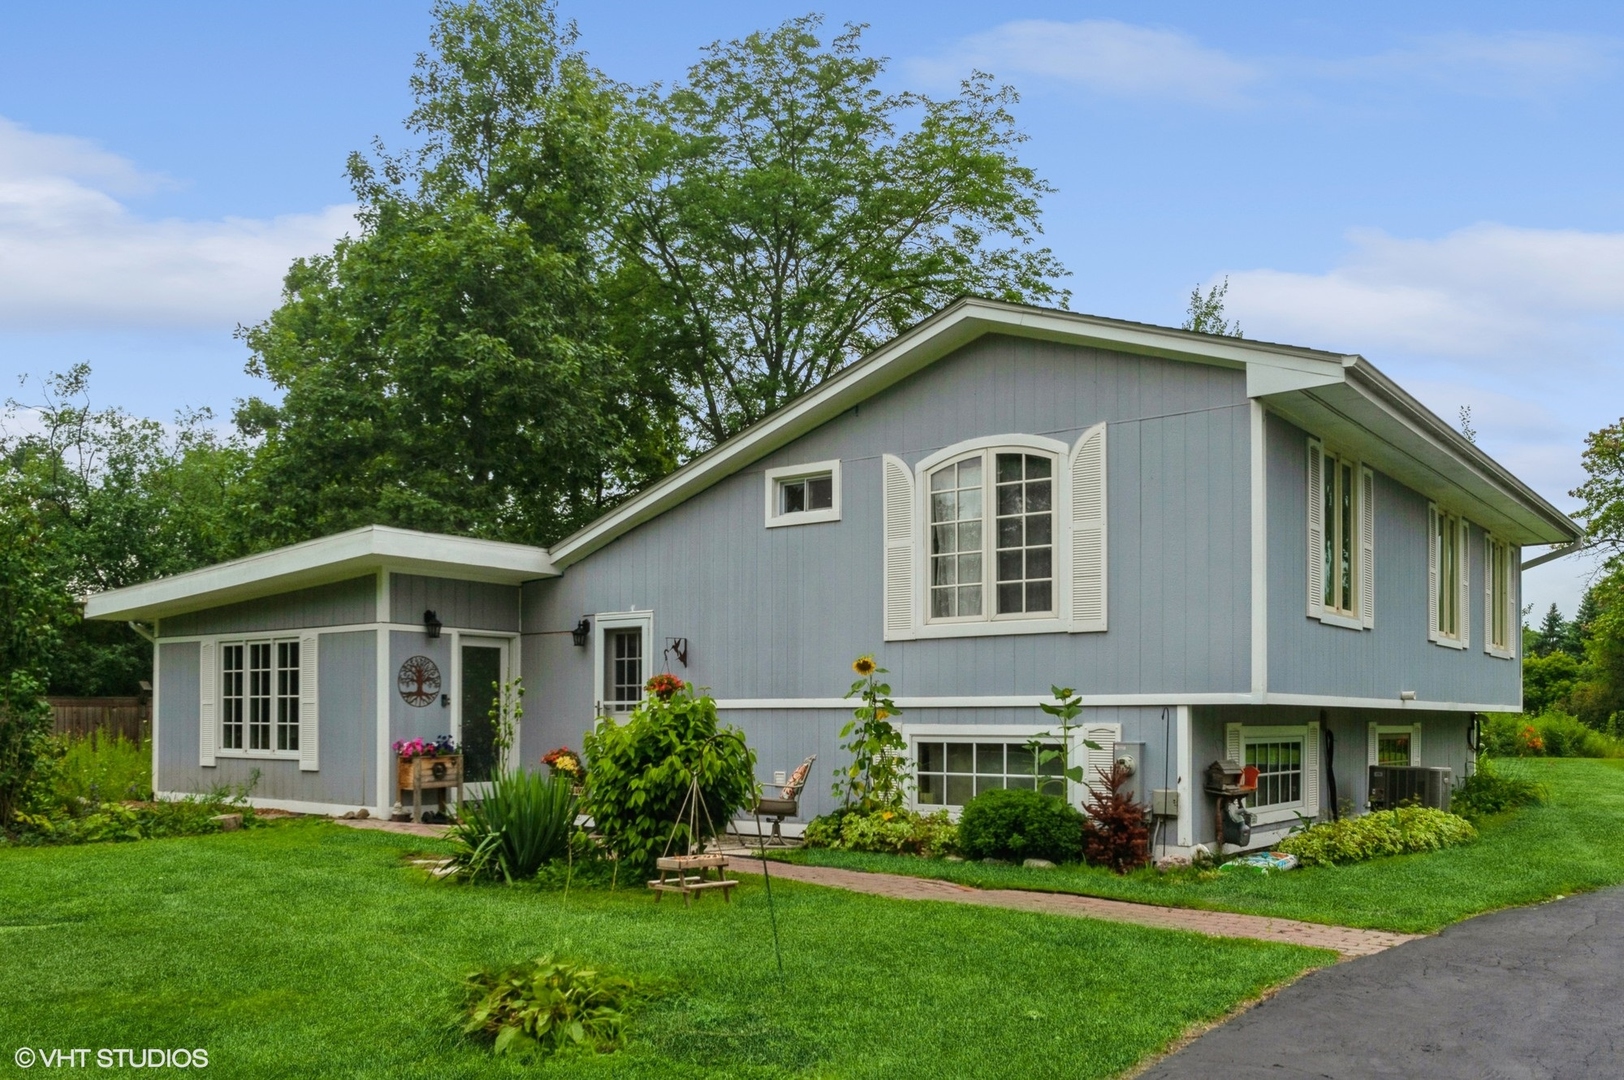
pixel 1339 567
pixel 1501 599
pixel 952 773
pixel 1279 762
pixel 259 697
pixel 1449 551
pixel 231 697
pixel 803 494
pixel 287 695
pixel 1393 748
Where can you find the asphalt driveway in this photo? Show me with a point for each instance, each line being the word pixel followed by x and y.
pixel 1532 992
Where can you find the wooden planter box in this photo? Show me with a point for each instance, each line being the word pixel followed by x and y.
pixel 436 774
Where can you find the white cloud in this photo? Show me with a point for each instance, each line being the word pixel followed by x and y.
pixel 1517 64
pixel 1102 55
pixel 72 255
pixel 1489 292
pixel 1118 59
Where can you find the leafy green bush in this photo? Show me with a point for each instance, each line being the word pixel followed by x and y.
pixel 98 822
pixel 1493 789
pixel 547 1007
pixel 525 821
pixel 1014 823
pixel 639 772
pixel 893 832
pixel 101 769
pixel 1385 832
pixel 1553 734
pixel 25 738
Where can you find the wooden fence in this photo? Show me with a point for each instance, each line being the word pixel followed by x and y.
pixel 102 717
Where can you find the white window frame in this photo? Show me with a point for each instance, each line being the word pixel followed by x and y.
pixel 602 624
pixel 989 622
pixel 775 478
pixel 1362 616
pixel 1505 603
pixel 1462 637
pixel 1104 735
pixel 1275 813
pixel 295 701
pixel 1373 741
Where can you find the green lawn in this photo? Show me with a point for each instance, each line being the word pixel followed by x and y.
pixel 308 949
pixel 1574 844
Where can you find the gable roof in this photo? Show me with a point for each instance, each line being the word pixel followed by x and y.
pixel 1338 396
pixel 316 562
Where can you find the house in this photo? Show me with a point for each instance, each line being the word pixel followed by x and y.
pixel 1230 548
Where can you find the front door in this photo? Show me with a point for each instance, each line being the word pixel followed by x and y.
pixel 482 671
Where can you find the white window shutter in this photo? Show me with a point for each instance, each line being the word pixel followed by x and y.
pixel 1234 750
pixel 309 718
pixel 1432 571
pixel 899 548
pixel 1373 741
pixel 1367 548
pixel 1415 744
pixel 1316 529
pixel 1089 576
pixel 1465 563
pixel 1105 736
pixel 208 720
pixel 1514 599
pixel 1311 770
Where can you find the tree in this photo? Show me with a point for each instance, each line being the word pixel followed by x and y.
pixel 447 369
pixel 790 220
pixel 116 500
pixel 1549 636
pixel 1205 315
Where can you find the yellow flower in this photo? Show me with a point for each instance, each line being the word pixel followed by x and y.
pixel 880 714
pixel 863 665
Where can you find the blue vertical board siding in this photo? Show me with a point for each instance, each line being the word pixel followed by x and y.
pixel 464 605
pixel 780 613
pixel 1309 657
pixel 347 695
pixel 343 603
pixel 408 721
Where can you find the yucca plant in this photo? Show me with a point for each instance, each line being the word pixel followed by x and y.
pixel 524 821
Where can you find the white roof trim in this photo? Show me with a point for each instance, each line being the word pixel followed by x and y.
pixel 1270 368
pixel 316 562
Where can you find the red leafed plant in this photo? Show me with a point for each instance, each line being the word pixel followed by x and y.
pixel 1117 830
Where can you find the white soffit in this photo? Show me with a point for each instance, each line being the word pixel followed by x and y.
pixel 318 562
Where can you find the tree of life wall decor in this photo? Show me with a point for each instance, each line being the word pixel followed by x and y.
pixel 419 681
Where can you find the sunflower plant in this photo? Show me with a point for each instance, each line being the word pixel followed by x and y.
pixel 877 778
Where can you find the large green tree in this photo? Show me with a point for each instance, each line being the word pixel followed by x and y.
pixel 447 368
pixel 110 500
pixel 792 215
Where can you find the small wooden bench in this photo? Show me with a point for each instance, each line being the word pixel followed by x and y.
pixel 691 876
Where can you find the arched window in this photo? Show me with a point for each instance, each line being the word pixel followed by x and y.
pixel 992 534
pixel 996 535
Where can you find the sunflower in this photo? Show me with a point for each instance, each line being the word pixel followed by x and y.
pixel 863 665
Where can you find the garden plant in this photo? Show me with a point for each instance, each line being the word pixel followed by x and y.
pixel 1018 824
pixel 524 821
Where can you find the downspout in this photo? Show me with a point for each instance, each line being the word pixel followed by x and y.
pixel 143 631
pixel 1330 764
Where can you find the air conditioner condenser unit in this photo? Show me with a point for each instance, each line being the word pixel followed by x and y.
pixel 1418 785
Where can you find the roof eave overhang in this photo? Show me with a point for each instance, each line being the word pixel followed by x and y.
pixel 1366 413
pixel 320 562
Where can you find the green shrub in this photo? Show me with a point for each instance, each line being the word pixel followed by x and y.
pixel 1493 789
pixel 547 1007
pixel 1553 734
pixel 524 821
pixel 99 822
pixel 101 769
pixel 639 772
pixel 1016 824
pixel 892 832
pixel 1384 832
pixel 25 738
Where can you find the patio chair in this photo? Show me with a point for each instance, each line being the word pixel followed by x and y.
pixel 788 803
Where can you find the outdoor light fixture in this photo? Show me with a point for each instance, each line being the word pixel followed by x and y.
pixel 579 634
pixel 1406 695
pixel 432 624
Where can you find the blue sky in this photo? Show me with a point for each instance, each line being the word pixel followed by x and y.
pixel 1435 187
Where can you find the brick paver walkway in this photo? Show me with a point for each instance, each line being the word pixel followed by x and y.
pixel 1347 940
pixel 413 828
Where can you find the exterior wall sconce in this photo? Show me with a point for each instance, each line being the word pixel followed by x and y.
pixel 1406 695
pixel 432 624
pixel 580 633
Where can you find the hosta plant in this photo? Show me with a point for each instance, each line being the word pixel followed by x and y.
pixel 547 1006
